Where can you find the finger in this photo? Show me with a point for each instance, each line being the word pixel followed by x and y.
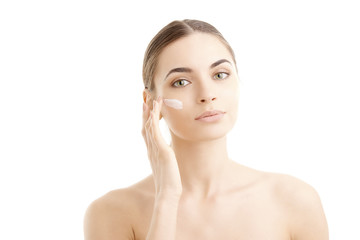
pixel 157 105
pixel 147 137
pixel 160 103
pixel 153 147
pixel 155 122
pixel 146 125
pixel 145 116
pixel 145 112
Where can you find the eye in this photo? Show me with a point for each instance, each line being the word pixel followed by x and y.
pixel 181 83
pixel 221 75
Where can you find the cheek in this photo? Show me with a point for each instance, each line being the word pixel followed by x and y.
pixel 178 122
pixel 174 117
pixel 231 103
pixel 231 94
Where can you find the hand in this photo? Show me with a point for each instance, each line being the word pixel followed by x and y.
pixel 162 157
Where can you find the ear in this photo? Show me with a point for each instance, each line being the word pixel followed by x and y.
pixel 147 95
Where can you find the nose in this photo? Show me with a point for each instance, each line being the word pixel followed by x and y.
pixel 207 99
pixel 206 94
pixel 206 91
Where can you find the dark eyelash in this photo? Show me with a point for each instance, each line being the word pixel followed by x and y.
pixel 227 74
pixel 173 84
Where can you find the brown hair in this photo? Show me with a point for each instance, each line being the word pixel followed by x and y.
pixel 170 33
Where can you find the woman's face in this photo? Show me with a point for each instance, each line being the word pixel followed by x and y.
pixel 204 79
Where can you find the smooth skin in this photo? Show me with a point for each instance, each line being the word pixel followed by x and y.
pixel 195 190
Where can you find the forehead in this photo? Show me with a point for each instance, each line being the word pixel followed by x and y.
pixel 198 50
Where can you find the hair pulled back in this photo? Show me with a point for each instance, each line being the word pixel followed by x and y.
pixel 170 33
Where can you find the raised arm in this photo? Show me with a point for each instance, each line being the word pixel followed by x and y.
pixel 166 176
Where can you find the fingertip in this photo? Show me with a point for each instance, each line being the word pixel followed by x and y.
pixel 159 101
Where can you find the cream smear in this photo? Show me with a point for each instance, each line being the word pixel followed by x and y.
pixel 174 103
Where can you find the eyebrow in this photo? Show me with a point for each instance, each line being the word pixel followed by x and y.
pixel 188 70
pixel 174 70
pixel 219 62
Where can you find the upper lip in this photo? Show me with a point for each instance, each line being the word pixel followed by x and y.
pixel 209 113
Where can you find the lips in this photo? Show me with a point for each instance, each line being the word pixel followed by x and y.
pixel 209 113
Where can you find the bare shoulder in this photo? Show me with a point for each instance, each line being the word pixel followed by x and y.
pixel 292 190
pixel 112 216
pixel 303 205
pixel 109 216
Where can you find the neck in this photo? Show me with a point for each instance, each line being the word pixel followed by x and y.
pixel 203 165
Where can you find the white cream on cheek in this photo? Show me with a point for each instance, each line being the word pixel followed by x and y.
pixel 173 103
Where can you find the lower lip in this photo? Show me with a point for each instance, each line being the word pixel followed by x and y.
pixel 211 118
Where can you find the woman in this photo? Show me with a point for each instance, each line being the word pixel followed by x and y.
pixel 196 191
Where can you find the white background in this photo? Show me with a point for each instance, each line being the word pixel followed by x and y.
pixel 71 102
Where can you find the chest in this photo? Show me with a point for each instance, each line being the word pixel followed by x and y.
pixel 246 219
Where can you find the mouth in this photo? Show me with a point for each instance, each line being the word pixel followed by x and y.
pixel 210 115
